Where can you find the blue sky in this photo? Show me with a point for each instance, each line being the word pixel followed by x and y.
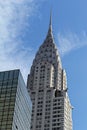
pixel 23 28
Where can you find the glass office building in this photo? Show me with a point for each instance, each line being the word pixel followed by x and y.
pixel 15 103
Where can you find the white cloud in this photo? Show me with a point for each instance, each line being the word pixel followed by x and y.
pixel 14 18
pixel 71 41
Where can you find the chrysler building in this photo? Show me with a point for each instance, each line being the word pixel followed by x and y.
pixel 47 86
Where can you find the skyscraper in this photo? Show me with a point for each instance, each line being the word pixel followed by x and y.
pixel 15 103
pixel 47 85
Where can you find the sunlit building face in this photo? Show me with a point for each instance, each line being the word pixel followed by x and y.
pixel 47 85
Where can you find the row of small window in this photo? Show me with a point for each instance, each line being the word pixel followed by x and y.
pixel 47 125
pixel 48 96
pixel 39 126
pixel 8 75
pixel 39 114
pixel 42 69
pixel 41 81
pixel 47 117
pixel 55 116
pixel 49 50
pixel 40 102
pixel 39 110
pixel 8 83
pixel 48 93
pixel 56 124
pixel 40 99
pixel 2 105
pixel 7 96
pixel 48 40
pixel 41 86
pixel 48 105
pixel 39 106
pixel 41 90
pixel 5 122
pixel 46 128
pixel 6 111
pixel 40 95
pixel 7 102
pixel 7 93
pixel 57 128
pixel 7 87
pixel 6 118
pixel 47 109
pixel 55 112
pixel 57 107
pixel 48 113
pixel 58 104
pixel 56 120
pixel 58 100
pixel 48 101
pixel 7 127
pixel 7 106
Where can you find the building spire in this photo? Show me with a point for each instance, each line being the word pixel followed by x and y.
pixel 51 18
pixel 50 33
pixel 50 24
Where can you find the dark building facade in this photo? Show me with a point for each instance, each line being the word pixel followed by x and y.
pixel 15 103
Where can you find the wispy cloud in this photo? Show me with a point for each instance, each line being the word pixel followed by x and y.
pixel 14 18
pixel 71 41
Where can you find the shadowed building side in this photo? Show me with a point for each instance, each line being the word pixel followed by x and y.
pixel 15 103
